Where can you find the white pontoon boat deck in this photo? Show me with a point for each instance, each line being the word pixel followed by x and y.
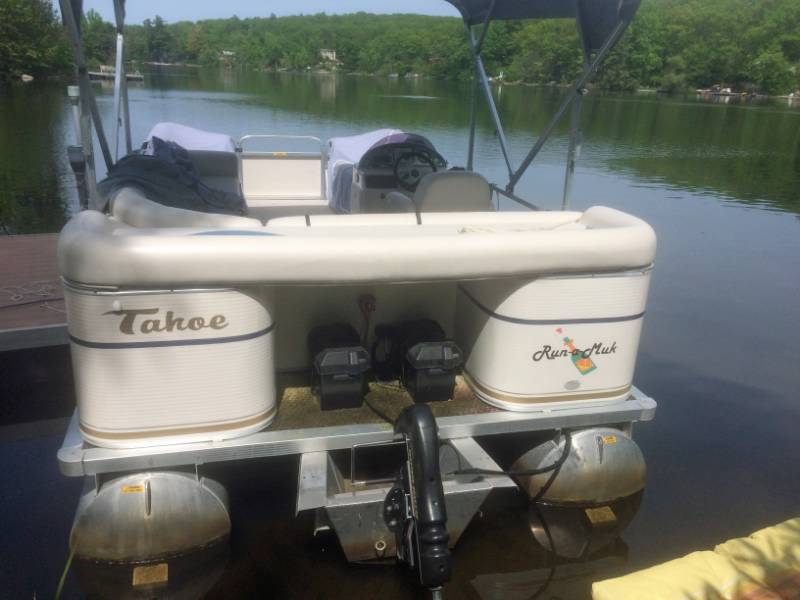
pixel 301 428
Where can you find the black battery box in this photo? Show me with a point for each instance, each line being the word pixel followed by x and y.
pixel 428 362
pixel 339 366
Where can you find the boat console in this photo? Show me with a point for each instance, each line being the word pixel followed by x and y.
pixel 388 174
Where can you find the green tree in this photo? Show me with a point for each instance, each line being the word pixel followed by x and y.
pixel 772 73
pixel 99 39
pixel 158 40
pixel 671 44
pixel 31 39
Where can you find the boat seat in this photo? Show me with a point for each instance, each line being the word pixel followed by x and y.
pixel 130 206
pixel 453 191
pixel 95 249
pixel 218 170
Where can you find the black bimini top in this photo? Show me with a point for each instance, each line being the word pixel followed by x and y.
pixel 597 18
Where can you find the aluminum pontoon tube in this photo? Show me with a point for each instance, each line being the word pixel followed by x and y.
pixel 603 465
pixel 594 497
pixel 138 529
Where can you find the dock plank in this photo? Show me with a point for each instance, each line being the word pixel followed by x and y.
pixel 31 297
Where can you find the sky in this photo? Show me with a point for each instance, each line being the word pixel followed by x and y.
pixel 194 10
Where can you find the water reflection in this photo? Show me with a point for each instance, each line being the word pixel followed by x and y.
pixel 35 179
pixel 748 152
pixel 274 554
pixel 185 577
pixel 718 344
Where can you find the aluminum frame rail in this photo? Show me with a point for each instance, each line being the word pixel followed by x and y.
pixel 77 458
pixel 482 81
pixel 87 107
pixel 122 117
pixel 87 99
pixel 89 115
pixel 575 133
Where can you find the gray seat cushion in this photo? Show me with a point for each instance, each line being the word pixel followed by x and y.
pixel 453 191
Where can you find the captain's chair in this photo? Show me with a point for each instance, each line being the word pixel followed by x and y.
pixel 453 191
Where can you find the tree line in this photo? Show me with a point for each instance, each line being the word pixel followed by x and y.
pixel 672 44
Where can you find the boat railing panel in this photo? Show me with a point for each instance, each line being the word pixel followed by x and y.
pixel 283 175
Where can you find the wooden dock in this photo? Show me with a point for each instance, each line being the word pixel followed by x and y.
pixel 31 298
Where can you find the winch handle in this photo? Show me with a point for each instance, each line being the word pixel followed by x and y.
pixel 418 426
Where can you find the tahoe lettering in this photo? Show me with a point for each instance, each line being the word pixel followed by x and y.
pixel 131 322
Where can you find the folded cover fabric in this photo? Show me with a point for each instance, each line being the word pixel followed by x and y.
pixel 169 178
pixel 763 566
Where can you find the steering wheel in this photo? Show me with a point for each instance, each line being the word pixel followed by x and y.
pixel 408 171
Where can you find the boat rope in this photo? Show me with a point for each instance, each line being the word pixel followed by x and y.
pixel 554 468
pixel 61 581
pixel 43 287
pixel 33 292
pixel 37 301
pixel 552 555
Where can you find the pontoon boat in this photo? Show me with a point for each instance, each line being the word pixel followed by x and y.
pixel 227 302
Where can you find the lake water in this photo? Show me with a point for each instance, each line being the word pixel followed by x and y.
pixel 720 351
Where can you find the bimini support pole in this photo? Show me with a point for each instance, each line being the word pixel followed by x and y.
pixel 472 107
pixel 483 81
pixel 71 10
pixel 81 162
pixel 121 113
pixel 575 133
pixel 574 149
pixel 87 189
pixel 575 92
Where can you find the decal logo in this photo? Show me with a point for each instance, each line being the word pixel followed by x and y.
pixel 129 325
pixel 582 359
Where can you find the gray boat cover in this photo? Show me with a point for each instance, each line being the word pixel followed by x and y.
pixel 343 154
pixel 402 138
pixel 598 17
pixel 189 138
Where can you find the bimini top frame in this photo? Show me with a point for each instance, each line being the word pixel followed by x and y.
pixel 88 114
pixel 600 25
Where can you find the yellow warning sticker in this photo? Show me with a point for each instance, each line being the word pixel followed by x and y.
pixel 280 154
pixel 602 515
pixel 132 489
pixel 610 439
pixel 150 574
